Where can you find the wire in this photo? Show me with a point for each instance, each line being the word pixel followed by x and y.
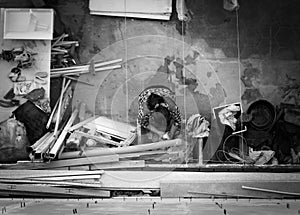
pixel 184 72
pixel 239 65
pixel 126 64
pixel 232 149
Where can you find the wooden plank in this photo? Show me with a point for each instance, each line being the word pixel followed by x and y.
pixel 73 177
pixel 153 179
pixel 80 124
pixel 33 147
pixel 59 107
pixel 56 105
pixel 98 138
pixel 42 149
pixel 72 192
pixel 139 154
pixel 85 67
pixel 189 188
pixel 285 193
pixel 79 162
pixel 119 165
pixel 59 142
pixel 49 182
pixel 109 126
pixel 78 80
pixel 122 150
pixel 27 174
pixel 83 71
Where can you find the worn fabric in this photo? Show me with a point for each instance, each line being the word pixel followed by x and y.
pixel 144 114
pixel 197 126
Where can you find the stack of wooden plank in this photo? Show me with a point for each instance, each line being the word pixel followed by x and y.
pixel 47 183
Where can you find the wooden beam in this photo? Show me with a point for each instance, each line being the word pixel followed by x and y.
pixel 153 179
pixel 63 90
pixel 27 174
pixel 98 138
pixel 49 182
pixel 33 147
pixel 80 124
pixel 119 165
pixel 44 147
pixel 122 150
pixel 71 192
pixel 79 162
pixel 59 142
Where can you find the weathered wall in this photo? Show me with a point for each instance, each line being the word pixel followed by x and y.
pixel 198 59
pixel 204 48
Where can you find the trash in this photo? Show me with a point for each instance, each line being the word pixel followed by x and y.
pixel 13 141
pixel 227 115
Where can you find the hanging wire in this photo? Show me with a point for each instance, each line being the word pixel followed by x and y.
pixel 239 67
pixel 184 78
pixel 126 63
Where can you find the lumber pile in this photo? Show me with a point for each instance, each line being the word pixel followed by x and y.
pixel 88 142
pixel 55 184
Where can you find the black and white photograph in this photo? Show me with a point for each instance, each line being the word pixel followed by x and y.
pixel 150 107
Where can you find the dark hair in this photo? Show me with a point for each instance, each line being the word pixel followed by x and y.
pixel 153 100
pixel 161 118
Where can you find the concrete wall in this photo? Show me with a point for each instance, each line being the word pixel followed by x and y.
pixel 203 49
pixel 214 58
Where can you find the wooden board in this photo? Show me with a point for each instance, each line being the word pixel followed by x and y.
pixel 152 179
pixel 188 188
pixel 72 192
pixel 109 126
pixel 21 174
pixel 79 162
pixel 122 150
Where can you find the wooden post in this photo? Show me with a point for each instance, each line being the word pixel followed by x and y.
pixel 200 154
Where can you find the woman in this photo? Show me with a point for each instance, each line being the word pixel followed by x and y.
pixel 158 113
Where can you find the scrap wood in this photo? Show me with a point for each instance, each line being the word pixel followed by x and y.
pixel 98 138
pixel 68 178
pixel 86 66
pixel 122 150
pixel 271 191
pixel 80 124
pixel 223 195
pixel 59 107
pixel 57 183
pixel 111 127
pixel 59 142
pixel 71 192
pixel 76 79
pixel 33 147
pixel 119 165
pixel 58 39
pixel 79 162
pixel 82 71
pixel 140 154
pixel 132 137
pixel 27 174
pixel 63 90
pixel 44 147
pixel 65 43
